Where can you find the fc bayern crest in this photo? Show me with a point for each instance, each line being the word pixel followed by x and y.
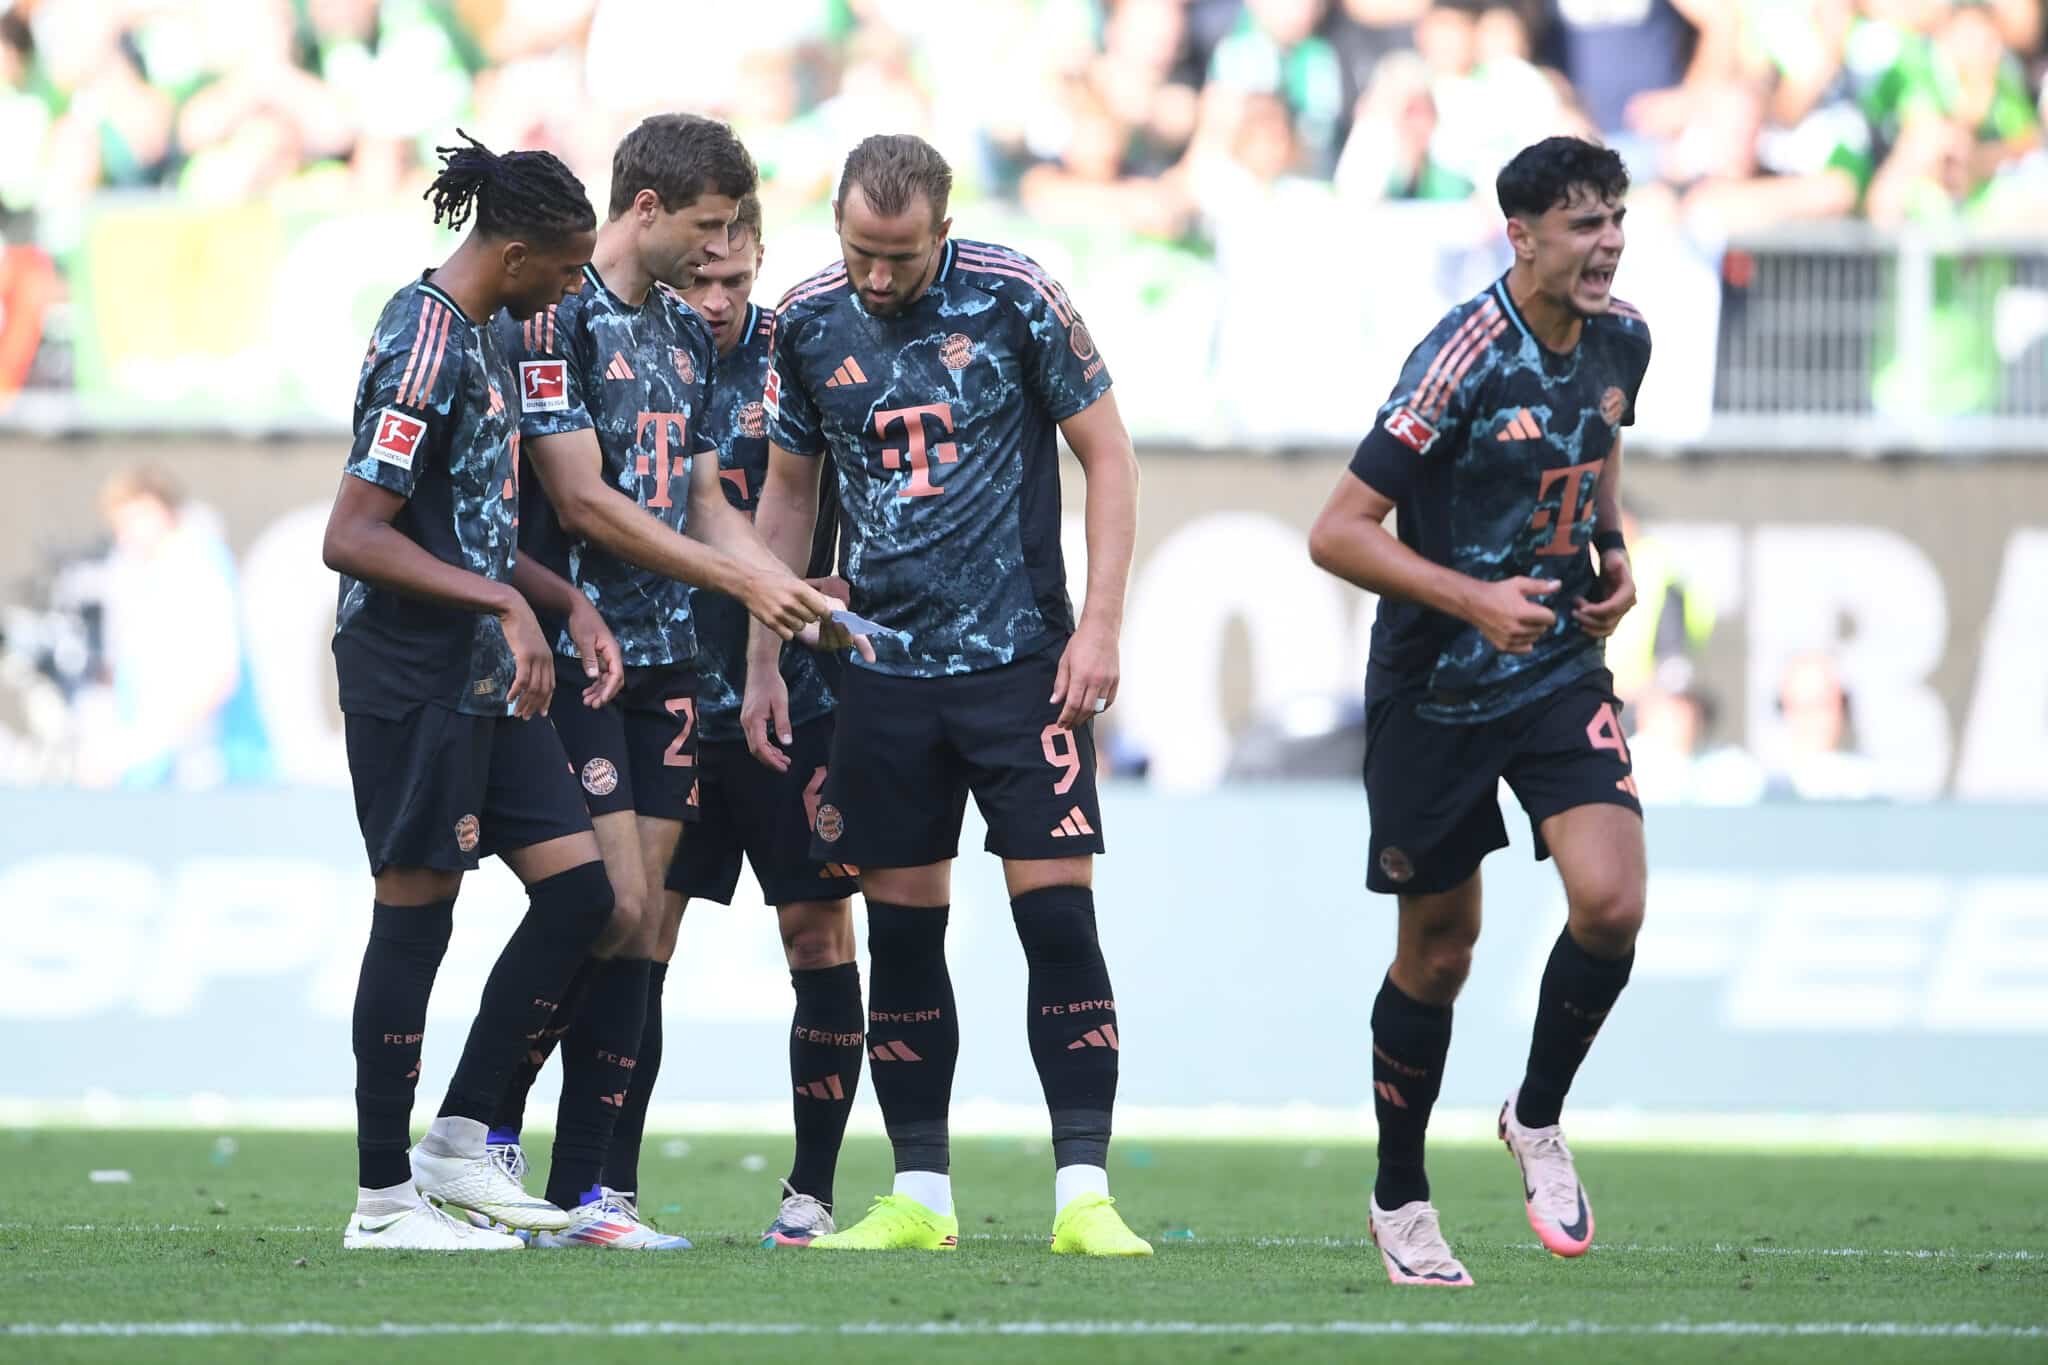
pixel 600 777
pixel 956 350
pixel 1083 342
pixel 1394 863
pixel 684 366
pixel 1612 404
pixel 753 421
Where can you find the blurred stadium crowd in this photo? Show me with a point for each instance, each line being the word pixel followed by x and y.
pixel 1254 135
pixel 1141 115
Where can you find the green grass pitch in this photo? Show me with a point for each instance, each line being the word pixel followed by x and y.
pixel 1723 1256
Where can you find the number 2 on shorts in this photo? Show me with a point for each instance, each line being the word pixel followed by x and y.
pixel 684 709
pixel 1061 753
pixel 1604 732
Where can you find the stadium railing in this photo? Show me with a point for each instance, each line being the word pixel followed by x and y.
pixel 1840 337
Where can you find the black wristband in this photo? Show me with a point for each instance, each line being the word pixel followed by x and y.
pixel 1603 541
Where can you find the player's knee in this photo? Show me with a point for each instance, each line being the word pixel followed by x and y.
pixel 812 945
pixel 576 904
pixel 1606 924
pixel 1435 969
pixel 628 923
pixel 1056 925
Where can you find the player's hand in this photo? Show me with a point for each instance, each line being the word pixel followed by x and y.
pixel 533 662
pixel 764 717
pixel 830 636
pixel 783 602
pixel 1613 594
pixel 1089 673
pixel 603 666
pixel 1508 615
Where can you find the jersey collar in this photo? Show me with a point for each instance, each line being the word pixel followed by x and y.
pixel 435 291
pixel 1507 303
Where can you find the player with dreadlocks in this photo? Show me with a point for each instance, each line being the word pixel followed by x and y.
pixel 445 679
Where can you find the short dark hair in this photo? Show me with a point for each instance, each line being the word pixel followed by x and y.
pixel 1543 175
pixel 748 218
pixel 520 194
pixel 681 157
pixel 894 168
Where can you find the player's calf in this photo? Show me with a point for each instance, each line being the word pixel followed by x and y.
pixel 1072 1025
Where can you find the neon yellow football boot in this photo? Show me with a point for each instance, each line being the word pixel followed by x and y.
pixel 896 1222
pixel 1090 1226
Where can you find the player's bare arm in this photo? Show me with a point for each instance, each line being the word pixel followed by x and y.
pixel 1090 670
pixel 571 468
pixel 1350 540
pixel 1615 593
pixel 782 595
pixel 361 542
pixel 595 644
pixel 784 519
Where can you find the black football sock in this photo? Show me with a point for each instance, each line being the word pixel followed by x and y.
pixel 405 950
pixel 622 1158
pixel 913 1031
pixel 825 1052
pixel 599 1055
pixel 510 1119
pixel 1577 992
pixel 1072 1019
pixel 565 914
pixel 1409 1043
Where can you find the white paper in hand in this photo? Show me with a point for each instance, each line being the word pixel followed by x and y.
pixel 857 624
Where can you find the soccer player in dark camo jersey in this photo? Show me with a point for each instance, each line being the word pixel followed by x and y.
pixel 762 814
pixel 940 374
pixel 444 675
pixel 1500 448
pixel 613 401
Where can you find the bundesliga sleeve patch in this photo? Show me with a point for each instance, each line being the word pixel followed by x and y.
pixel 543 386
pixel 1405 426
pixel 398 438
pixel 771 396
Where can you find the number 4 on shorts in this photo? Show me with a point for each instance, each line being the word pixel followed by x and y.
pixel 1604 732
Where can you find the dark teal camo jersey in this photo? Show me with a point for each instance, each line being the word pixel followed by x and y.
pixel 943 423
pixel 433 424
pixel 739 428
pixel 641 379
pixel 1491 447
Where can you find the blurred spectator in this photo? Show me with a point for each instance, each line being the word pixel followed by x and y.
pixel 1812 756
pixel 1639 65
pixel 1275 50
pixel 1672 620
pixel 1365 32
pixel 1750 112
pixel 184 709
pixel 114 128
pixel 1965 118
pixel 1673 761
pixel 1478 56
pixel 1390 152
pixel 1094 183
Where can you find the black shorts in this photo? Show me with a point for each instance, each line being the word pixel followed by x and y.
pixel 1433 789
pixel 638 752
pixel 445 790
pixel 747 809
pixel 908 750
